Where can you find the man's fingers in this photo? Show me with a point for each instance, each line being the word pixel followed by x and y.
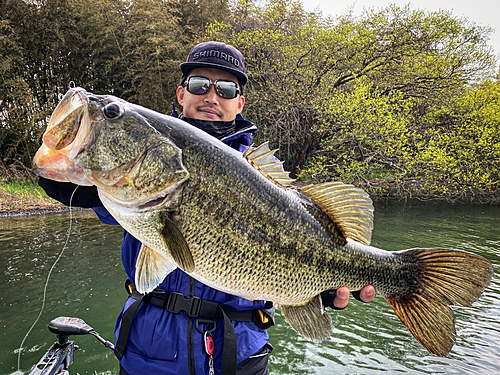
pixel 342 298
pixel 367 294
pixel 339 299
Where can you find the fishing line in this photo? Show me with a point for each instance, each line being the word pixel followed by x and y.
pixel 47 280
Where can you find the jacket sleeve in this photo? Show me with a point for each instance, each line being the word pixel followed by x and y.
pixel 84 196
pixel 104 215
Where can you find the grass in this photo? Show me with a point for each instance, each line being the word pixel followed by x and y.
pixel 23 194
pixel 27 186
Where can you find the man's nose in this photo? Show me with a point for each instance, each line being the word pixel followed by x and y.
pixel 211 96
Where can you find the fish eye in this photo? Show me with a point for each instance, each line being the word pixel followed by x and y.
pixel 112 111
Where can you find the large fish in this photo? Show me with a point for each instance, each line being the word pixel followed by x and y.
pixel 236 223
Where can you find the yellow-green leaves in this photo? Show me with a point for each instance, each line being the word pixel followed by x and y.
pixel 460 149
pixel 387 99
pixel 364 133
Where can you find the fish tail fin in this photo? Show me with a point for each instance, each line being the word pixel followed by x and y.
pixel 309 320
pixel 447 277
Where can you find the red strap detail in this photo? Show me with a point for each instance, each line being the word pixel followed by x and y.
pixel 209 345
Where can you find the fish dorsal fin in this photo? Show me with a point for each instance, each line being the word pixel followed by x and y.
pixel 262 159
pixel 349 207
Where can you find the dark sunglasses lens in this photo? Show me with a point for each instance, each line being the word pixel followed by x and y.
pixel 226 89
pixel 198 85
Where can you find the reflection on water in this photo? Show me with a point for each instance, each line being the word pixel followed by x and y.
pixel 87 283
pixel 368 338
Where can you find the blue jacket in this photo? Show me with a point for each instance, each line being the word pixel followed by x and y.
pixel 158 339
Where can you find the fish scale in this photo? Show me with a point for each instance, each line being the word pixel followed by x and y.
pixel 237 223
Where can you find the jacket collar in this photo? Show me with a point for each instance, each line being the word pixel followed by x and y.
pixel 243 129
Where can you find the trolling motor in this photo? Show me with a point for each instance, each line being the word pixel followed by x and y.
pixel 60 355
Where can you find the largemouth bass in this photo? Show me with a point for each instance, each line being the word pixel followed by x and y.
pixel 236 222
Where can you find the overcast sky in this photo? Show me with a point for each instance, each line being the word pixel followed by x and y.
pixel 482 12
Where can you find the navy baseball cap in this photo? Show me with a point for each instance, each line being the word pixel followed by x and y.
pixel 216 55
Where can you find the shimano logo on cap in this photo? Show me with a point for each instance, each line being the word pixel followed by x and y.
pixel 217 54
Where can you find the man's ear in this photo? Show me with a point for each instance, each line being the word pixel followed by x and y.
pixel 180 95
pixel 241 103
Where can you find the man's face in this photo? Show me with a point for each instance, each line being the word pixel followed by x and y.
pixel 210 106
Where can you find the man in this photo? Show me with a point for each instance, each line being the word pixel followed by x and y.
pixel 153 338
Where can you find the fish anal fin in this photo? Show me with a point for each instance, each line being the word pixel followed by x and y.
pixel 176 245
pixel 262 158
pixel 150 269
pixel 349 207
pixel 447 278
pixel 309 320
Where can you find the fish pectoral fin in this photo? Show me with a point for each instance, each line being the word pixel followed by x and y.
pixel 150 269
pixel 177 245
pixel 447 278
pixel 310 320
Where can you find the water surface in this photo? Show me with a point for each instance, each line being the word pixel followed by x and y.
pixel 368 338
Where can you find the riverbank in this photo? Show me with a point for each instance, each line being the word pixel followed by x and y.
pixel 26 198
pixel 21 204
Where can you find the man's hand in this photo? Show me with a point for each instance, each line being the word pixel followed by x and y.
pixel 366 294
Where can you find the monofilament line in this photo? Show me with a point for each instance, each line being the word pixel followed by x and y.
pixel 47 282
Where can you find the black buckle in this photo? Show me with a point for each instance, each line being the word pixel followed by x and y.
pixel 206 321
pixel 177 303
pixel 157 297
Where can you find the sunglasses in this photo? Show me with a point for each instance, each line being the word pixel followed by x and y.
pixel 198 85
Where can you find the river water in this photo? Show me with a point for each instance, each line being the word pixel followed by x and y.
pixel 87 282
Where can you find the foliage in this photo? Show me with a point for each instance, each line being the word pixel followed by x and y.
pixel 459 154
pixel 351 98
pixel 131 49
pixel 400 101
pixel 153 48
pixel 298 61
pixel 57 42
pixel 364 135
pixel 372 140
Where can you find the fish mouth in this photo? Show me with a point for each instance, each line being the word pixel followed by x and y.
pixel 144 179
pixel 55 166
pixel 160 200
pixel 67 120
pixel 65 136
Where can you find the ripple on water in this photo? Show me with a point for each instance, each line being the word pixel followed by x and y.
pixel 367 339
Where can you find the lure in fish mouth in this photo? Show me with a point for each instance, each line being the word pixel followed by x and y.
pixel 98 140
